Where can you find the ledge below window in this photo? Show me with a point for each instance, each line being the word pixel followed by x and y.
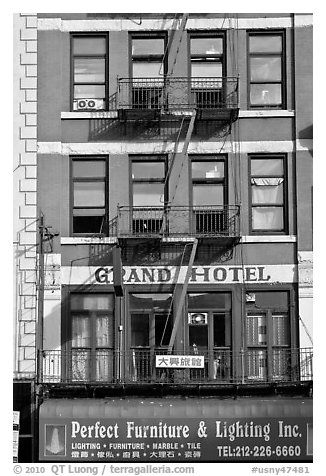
pixel 88 240
pixel 89 115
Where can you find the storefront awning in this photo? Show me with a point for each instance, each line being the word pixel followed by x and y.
pixel 177 429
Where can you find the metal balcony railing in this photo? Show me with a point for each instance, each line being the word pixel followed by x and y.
pixel 138 365
pixel 171 94
pixel 178 221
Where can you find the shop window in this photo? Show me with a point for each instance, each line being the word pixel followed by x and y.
pixel 209 194
pixel 150 332
pixel 268 192
pixel 89 72
pixel 92 337
pixel 209 334
pixel 207 69
pixel 266 70
pixel 148 63
pixel 149 193
pixel 268 354
pixel 89 196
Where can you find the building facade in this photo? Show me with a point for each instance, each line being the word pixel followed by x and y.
pixel 174 212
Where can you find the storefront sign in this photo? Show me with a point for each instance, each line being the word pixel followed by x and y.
pixel 256 274
pixel 179 361
pixel 177 439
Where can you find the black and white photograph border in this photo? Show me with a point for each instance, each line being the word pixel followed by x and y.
pixel 163 240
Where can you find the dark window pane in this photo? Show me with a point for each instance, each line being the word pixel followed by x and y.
pixel 139 330
pixel 267 218
pixel 163 329
pixel 89 46
pixel 272 299
pixel 219 330
pixel 145 47
pixel 206 46
pixel 207 170
pixel 89 70
pixel 198 336
pixel 148 170
pixel 89 194
pixel 202 301
pixel 266 69
pixel 265 44
pixel 159 301
pixel 89 168
pixel 88 224
pixel 206 194
pixel 268 167
pixel 266 94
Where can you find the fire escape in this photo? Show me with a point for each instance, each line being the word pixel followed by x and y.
pixel 188 102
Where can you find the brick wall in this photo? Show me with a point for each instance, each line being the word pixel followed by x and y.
pixel 25 209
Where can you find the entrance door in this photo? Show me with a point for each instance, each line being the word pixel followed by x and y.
pixel 209 334
pixel 150 332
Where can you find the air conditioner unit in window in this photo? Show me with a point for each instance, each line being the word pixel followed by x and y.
pixel 89 104
pixel 197 318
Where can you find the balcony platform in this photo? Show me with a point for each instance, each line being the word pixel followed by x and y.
pixel 172 224
pixel 143 99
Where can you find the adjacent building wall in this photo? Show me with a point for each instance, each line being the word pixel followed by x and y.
pixel 25 213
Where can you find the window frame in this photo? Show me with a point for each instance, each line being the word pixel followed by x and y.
pixel 209 158
pixel 282 55
pixel 106 70
pixel 68 328
pixel 73 180
pixel 150 58
pixel 148 159
pixel 284 206
pixel 268 313
pixel 207 34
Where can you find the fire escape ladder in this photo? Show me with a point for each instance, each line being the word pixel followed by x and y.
pixel 182 297
pixel 176 42
pixel 183 155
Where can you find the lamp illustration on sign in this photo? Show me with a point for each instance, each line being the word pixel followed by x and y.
pixel 55 440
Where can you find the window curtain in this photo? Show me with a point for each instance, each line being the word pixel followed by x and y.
pixel 80 363
pixel 267 218
pixel 80 332
pixel 104 365
pixel 267 190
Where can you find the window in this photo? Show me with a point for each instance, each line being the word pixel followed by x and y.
pixel 148 71
pixel 268 188
pixel 266 70
pixel 209 333
pixel 150 331
pixel 268 336
pixel 207 69
pixel 89 72
pixel 209 194
pixel 89 196
pixel 92 337
pixel 149 193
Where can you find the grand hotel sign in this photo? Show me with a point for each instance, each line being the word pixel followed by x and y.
pixel 137 275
